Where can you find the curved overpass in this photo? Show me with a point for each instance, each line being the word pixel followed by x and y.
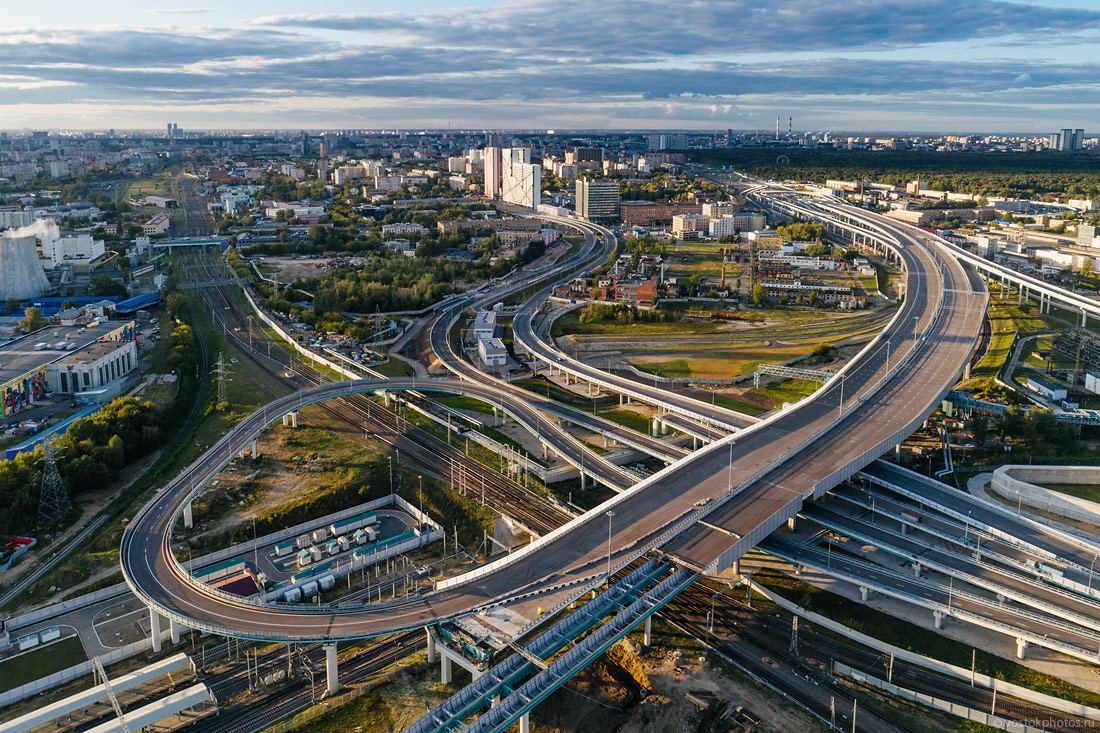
pixel 707 510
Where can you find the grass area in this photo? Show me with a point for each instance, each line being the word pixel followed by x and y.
pixel 789 390
pixel 917 639
pixel 732 403
pixel 870 283
pixel 41 662
pixel 629 419
pixel 395 368
pixel 722 365
pixel 463 402
pixel 544 387
pixel 570 323
pixel 1088 492
pixel 1003 334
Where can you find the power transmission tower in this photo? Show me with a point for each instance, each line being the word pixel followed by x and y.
pixel 221 369
pixel 53 502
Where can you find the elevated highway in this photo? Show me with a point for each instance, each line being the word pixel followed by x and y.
pixel 705 511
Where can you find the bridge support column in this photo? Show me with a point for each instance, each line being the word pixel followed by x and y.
pixel 582 480
pixel 386 399
pixel 188 517
pixel 664 428
pixel 1084 319
pixel 431 646
pixel 525 723
pixel 174 630
pixel 863 592
pixel 736 567
pixel 654 427
pixel 1000 599
pixel 286 419
pixel 694 443
pixel 792 524
pixel 255 449
pixel 445 669
pixel 647 637
pixel 620 400
pixel 294 419
pixel 904 529
pixel 154 628
pixel 332 670
pixel 937 617
pixel 1021 648
pixel 544 451
pixel 916 570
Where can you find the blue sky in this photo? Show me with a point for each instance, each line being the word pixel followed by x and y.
pixel 853 65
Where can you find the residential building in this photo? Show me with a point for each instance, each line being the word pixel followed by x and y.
pixel 719 209
pixel 491 161
pixel 404 228
pixel 520 179
pixel 689 224
pixel 1086 235
pixel 645 213
pixel 597 201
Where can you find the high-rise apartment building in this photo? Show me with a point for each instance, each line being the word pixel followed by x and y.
pixel 598 201
pixel 490 158
pixel 520 180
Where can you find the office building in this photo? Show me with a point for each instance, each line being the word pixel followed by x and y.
pixel 598 201
pixel 684 224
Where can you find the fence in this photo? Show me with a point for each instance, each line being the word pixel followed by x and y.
pixel 56 609
pixel 65 675
pixel 961 711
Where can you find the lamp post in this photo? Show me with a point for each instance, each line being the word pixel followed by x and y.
pixel 610 515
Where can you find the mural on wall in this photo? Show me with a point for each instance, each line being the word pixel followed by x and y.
pixel 26 390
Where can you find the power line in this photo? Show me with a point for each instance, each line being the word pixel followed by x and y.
pixel 53 502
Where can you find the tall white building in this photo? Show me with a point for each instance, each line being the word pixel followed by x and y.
pixel 491 160
pixel 520 179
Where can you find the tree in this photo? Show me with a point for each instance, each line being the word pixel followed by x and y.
pixel 758 294
pixel 68 304
pixel 11 306
pixel 175 304
pixel 103 285
pixel 34 320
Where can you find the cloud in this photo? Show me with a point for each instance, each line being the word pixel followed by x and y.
pixel 536 62
pixel 181 11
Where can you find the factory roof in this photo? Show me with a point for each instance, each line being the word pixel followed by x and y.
pixel 22 355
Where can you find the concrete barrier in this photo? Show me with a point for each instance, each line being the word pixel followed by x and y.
pixel 1021 484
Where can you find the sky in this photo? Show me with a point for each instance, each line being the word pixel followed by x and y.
pixel 833 65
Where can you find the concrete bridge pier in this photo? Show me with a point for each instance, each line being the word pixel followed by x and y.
pixel 188 517
pixel 694 443
pixel 1084 319
pixel 937 616
pixel 655 433
pixel 255 449
pixel 291 418
pixel 332 671
pixel 916 570
pixel 792 524
pixel 525 723
pixel 647 638
pixel 1021 648
pixel 864 591
pixel 582 480
pixel 431 646
pixel 154 628
pixel 620 399
pixel 175 629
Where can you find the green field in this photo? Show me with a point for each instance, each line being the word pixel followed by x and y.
pixel 462 402
pixel 570 323
pixel 721 365
pixel 41 662
pixel 395 368
pixel 789 390
pixel 628 419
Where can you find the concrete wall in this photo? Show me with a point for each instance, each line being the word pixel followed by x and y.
pixel 1008 480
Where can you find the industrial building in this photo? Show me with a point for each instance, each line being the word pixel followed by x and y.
pixel 21 273
pixel 485 325
pixel 598 201
pixel 492 352
pixel 31 367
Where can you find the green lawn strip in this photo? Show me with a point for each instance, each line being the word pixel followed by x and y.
pixel 732 403
pixel 543 387
pixel 1088 492
pixel 789 390
pixel 570 323
pixel 41 662
pixel 629 419
pixel 463 402
pixel 917 639
pixel 672 369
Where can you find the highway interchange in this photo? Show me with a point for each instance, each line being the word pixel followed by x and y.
pixel 672 502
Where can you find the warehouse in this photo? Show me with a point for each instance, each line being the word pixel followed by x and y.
pixel 28 370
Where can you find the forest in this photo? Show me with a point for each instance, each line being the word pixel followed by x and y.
pixel 1016 175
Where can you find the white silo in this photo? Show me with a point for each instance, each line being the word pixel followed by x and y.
pixel 21 273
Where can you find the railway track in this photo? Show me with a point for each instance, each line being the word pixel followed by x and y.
pixel 424 451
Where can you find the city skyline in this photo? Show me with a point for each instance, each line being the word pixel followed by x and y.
pixel 979 66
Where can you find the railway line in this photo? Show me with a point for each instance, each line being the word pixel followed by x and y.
pixel 423 450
